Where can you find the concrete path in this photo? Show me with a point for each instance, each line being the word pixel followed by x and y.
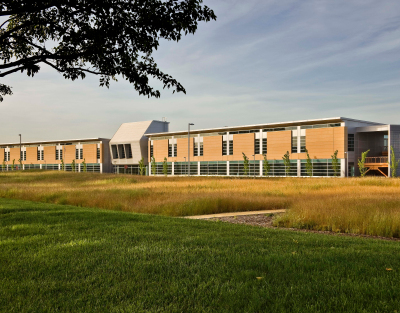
pixel 200 217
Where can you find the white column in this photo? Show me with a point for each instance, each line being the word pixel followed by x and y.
pixel 298 168
pixel 261 142
pixel 261 168
pixel 198 163
pixel 173 166
pixel 342 167
pixel 227 143
pixel 227 168
pixel 40 165
pixel 101 167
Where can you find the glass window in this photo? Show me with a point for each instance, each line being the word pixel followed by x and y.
pixel 224 147
pixel 230 147
pixel 175 150
pixel 151 151
pixel 201 148
pixel 170 150
pixel 264 143
pixel 128 150
pixel 114 151
pixel 195 149
pixel 350 142
pixel 302 143
pixel 98 153
pixel 257 146
pixel 294 144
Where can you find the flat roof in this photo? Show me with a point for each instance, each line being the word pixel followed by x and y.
pixel 290 123
pixel 52 141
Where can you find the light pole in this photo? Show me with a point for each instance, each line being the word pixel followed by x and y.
pixel 254 166
pixel 189 147
pixel 20 150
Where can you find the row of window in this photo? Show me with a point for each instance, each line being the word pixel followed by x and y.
pixel 91 167
pixel 59 155
pixel 321 167
pixel 121 151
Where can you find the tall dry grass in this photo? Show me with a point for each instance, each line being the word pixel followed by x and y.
pixel 364 206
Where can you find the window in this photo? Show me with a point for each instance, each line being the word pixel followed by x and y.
pixel 22 155
pixel 175 150
pixel 201 148
pixel 213 168
pixel 114 151
pixel 302 143
pixel 257 146
pixel 151 151
pixel 350 142
pixel 264 143
pixel 170 150
pixel 79 154
pixel 6 156
pixel 128 150
pixel 294 144
pixel 59 154
pixel 224 147
pixel 195 149
pixel 230 147
pixel 98 153
pixel 40 155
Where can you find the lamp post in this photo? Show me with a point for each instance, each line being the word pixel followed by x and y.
pixel 20 150
pixel 189 124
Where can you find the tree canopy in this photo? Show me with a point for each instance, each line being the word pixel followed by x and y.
pixel 104 37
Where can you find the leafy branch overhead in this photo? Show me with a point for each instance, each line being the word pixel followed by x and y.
pixel 105 38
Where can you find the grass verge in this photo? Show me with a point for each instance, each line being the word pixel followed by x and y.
pixel 71 259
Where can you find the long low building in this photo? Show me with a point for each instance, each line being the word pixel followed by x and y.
pixel 219 151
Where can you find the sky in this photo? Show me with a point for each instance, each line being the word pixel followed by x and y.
pixel 260 62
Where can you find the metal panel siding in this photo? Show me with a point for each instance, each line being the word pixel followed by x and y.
pixel 31 155
pixel 69 152
pixel 243 143
pixel 278 144
pixel 50 154
pixel 2 154
pixel 160 149
pixel 182 145
pixel 323 142
pixel 212 147
pixel 14 155
pixel 89 153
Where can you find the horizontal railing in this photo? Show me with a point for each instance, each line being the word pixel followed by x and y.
pixel 381 159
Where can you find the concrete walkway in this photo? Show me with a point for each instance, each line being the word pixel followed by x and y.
pixel 200 217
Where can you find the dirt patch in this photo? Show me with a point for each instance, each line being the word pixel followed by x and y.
pixel 265 220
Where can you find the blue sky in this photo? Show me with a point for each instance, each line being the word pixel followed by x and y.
pixel 260 62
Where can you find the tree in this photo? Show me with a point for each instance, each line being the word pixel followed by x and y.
pixel 3 165
pixel 266 166
pixel 335 163
pixel 309 166
pixel 286 162
pixel 245 164
pixel 105 38
pixel 165 167
pixel 13 164
pixel 62 165
pixel 73 166
pixel 393 163
pixel 153 165
pixel 361 163
pixel 142 168
pixel 84 165
pixel 20 164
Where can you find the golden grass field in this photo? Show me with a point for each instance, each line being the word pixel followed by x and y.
pixel 355 205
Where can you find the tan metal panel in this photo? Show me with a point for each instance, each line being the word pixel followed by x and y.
pixel 31 155
pixel 14 155
pixel 321 143
pixel 212 148
pixel 278 143
pixel 50 155
pixel 243 143
pixel 160 149
pixel 68 154
pixel 2 154
pixel 89 153
pixel 182 144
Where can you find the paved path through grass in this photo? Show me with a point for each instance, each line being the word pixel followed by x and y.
pixel 202 217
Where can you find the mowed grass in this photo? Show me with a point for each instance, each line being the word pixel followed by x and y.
pixel 59 258
pixel 368 206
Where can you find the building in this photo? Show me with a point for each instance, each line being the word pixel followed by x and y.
pixel 219 151
pixel 51 154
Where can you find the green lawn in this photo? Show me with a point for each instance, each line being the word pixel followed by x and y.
pixel 72 259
